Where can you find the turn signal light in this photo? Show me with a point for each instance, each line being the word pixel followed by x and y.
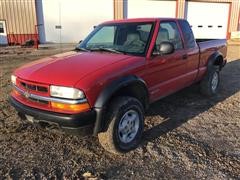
pixel 16 92
pixel 70 107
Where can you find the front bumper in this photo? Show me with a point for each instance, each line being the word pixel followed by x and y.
pixel 81 123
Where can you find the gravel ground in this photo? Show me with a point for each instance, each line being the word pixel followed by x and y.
pixel 187 136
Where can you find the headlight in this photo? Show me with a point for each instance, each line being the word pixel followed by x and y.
pixel 66 92
pixel 13 79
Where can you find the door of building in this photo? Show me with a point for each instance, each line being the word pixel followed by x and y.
pixel 208 20
pixel 3 33
pixel 146 8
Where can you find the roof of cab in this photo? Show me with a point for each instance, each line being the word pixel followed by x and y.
pixel 137 20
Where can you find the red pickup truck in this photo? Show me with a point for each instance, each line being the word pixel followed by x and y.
pixel 106 84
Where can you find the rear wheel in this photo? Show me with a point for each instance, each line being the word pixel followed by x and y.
pixel 125 119
pixel 210 84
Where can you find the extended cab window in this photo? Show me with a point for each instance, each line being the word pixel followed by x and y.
pixel 168 31
pixel 187 34
pixel 130 38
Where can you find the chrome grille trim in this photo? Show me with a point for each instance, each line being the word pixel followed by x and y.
pixel 48 99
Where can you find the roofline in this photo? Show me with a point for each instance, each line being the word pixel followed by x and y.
pixel 138 20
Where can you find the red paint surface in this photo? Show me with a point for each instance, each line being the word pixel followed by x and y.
pixel 93 71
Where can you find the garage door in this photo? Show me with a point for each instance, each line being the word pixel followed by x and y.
pixel 74 18
pixel 146 8
pixel 208 20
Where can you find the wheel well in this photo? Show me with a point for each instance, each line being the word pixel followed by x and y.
pixel 128 86
pixel 136 90
pixel 218 61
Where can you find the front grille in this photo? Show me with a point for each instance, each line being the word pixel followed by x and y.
pixel 33 87
pixel 39 101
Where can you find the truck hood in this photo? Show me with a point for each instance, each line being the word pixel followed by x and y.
pixel 67 69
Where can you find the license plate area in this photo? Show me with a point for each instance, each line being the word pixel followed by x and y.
pixel 29 118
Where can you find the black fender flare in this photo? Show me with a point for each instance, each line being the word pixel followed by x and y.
pixel 109 91
pixel 213 58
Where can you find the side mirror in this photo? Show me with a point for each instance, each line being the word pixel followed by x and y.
pixel 80 42
pixel 164 48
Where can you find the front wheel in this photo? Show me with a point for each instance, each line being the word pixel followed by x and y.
pixel 210 84
pixel 125 119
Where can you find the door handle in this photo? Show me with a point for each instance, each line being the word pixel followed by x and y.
pixel 185 56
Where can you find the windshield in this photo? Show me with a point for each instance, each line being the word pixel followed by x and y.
pixel 127 38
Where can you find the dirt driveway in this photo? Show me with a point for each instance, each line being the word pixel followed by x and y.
pixel 186 136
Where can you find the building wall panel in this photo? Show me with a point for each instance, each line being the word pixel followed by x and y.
pixel 118 9
pixel 180 9
pixel 234 15
pixel 20 17
pixel 239 21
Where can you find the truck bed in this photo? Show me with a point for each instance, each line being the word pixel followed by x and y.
pixel 212 44
pixel 207 47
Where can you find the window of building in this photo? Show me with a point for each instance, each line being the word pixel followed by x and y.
pixel 1 28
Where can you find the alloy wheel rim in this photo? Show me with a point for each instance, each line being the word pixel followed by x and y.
pixel 128 126
pixel 215 81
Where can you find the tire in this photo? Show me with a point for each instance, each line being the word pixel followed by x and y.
pixel 209 86
pixel 125 125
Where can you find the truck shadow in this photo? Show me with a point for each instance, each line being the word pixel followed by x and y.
pixel 176 109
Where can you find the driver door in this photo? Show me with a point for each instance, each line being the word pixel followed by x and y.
pixel 166 73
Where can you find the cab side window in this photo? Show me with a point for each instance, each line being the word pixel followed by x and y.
pixel 187 34
pixel 168 31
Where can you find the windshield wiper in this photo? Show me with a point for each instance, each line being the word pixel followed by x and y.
pixel 81 49
pixel 106 49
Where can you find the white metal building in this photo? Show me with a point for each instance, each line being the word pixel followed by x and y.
pixel 69 21
pixel 208 18
pixel 76 18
